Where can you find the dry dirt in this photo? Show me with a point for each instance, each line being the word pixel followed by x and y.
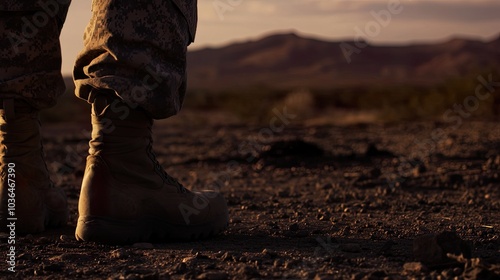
pixel 305 202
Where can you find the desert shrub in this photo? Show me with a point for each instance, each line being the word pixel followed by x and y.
pixel 394 103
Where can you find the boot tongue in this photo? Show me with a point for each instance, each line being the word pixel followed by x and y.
pixel 122 136
pixel 117 128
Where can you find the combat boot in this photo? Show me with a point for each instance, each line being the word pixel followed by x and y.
pixel 127 197
pixel 29 201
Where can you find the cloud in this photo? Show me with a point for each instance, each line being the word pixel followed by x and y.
pixel 457 11
pixel 261 7
pixel 421 20
pixel 450 10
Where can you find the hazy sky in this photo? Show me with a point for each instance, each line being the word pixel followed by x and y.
pixel 224 21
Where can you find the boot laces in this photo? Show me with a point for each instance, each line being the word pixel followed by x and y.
pixel 160 171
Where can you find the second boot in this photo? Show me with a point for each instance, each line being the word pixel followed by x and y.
pixel 127 197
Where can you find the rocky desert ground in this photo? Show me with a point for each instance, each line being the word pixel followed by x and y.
pixel 367 201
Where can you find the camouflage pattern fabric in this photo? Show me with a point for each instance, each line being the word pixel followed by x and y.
pixel 137 49
pixel 30 54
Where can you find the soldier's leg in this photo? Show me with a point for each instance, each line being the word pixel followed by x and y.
pixel 132 70
pixel 137 49
pixel 30 53
pixel 30 80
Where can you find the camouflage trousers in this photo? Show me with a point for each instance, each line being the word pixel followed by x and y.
pixel 133 49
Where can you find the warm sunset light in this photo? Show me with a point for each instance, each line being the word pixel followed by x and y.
pixel 223 21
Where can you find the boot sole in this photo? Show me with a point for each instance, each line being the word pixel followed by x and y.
pixel 114 231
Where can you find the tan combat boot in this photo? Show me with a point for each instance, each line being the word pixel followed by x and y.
pixel 29 201
pixel 127 197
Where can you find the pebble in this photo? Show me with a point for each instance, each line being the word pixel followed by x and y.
pixel 226 257
pixel 291 264
pixel 189 260
pixel 66 238
pixel 119 254
pixel 414 267
pixel 219 254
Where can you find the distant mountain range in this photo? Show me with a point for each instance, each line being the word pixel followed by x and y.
pixel 289 60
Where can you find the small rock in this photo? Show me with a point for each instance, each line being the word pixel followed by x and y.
pixel 416 171
pixel 277 263
pixel 119 254
pixel 66 238
pixel 213 276
pixel 414 267
pixel 290 264
pixel 143 246
pixel 189 260
pixel 226 257
pixel 350 248
pixel 219 254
